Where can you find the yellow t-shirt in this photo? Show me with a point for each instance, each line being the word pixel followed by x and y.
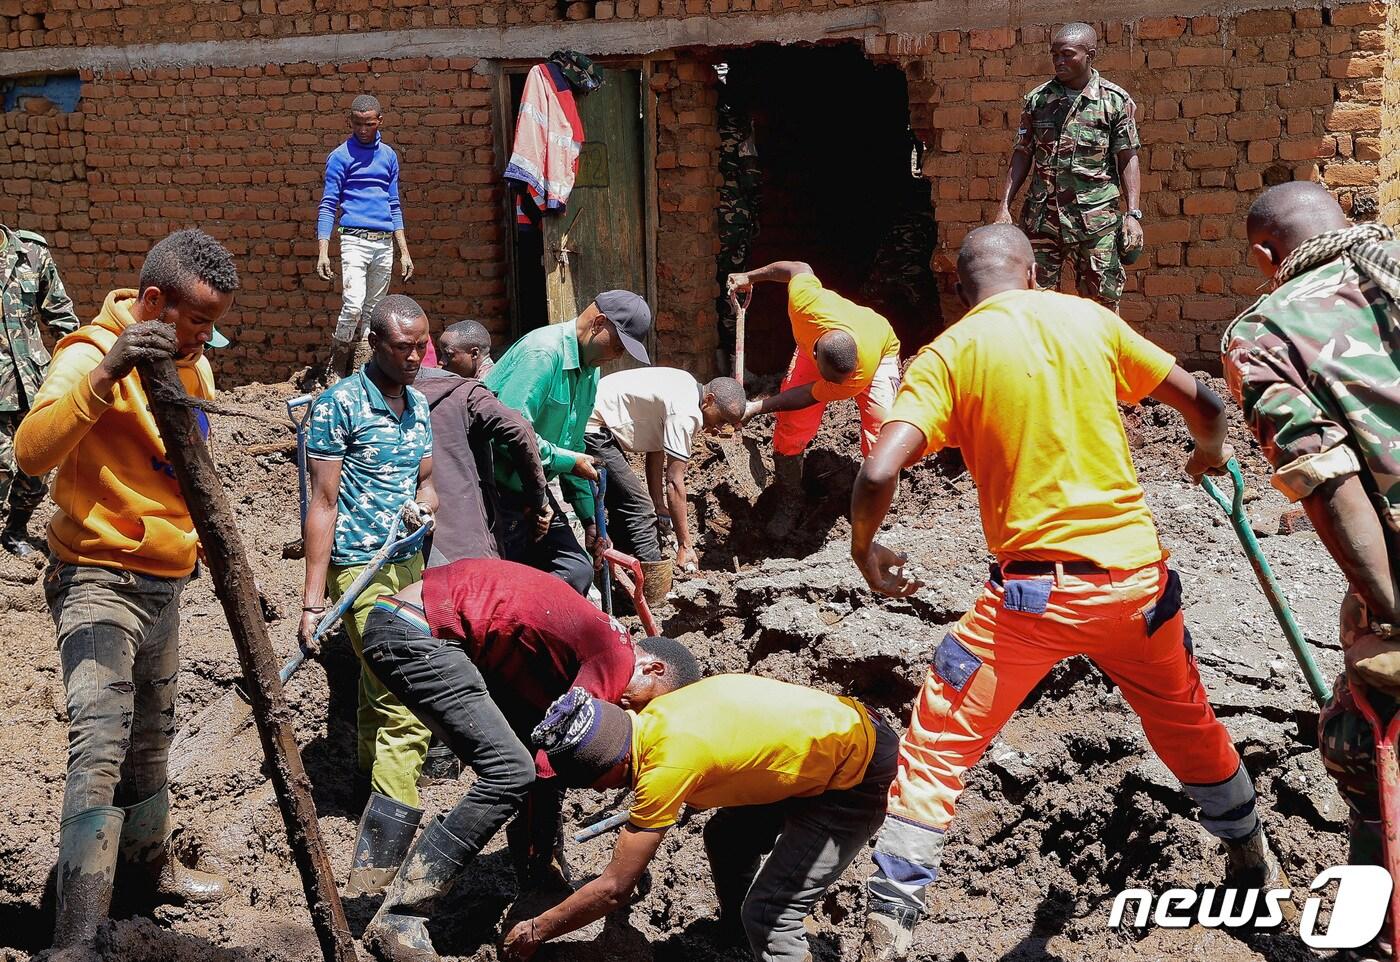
pixel 743 740
pixel 814 311
pixel 1027 385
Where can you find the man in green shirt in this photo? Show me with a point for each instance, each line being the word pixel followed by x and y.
pixel 551 376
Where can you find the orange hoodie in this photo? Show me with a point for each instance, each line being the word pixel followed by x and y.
pixel 119 505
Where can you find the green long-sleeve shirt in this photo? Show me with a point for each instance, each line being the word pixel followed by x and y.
pixel 541 377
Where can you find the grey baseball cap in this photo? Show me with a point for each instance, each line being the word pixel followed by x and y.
pixel 632 318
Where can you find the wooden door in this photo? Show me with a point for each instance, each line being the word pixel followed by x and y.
pixel 599 242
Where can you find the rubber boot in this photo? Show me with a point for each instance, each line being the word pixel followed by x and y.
pixel 342 357
pixel 788 483
pixel 150 871
pixel 1250 864
pixel 440 765
pixel 15 536
pixel 87 865
pixel 386 832
pixel 399 931
pixel 657 578
pixel 889 933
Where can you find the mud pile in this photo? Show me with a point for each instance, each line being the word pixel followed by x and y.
pixel 1068 807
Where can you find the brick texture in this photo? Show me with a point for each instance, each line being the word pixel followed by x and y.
pixel 1388 150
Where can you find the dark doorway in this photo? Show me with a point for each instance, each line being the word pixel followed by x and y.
pixel 838 188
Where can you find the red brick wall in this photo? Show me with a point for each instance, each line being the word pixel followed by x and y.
pixel 1390 125
pixel 1224 105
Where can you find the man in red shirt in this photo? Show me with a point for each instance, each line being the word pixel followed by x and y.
pixel 478 650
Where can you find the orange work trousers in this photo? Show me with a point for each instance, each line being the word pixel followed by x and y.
pixel 796 429
pixel 1130 624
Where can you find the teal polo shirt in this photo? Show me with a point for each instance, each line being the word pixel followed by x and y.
pixel 379 454
pixel 541 377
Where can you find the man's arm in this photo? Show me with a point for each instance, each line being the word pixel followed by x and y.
pixel 396 214
pixel 1205 419
pixel 56 308
pixel 606 893
pixel 778 272
pixel 1346 521
pixel 507 430
pixel 426 494
pixel 680 514
pixel 317 536
pixel 1130 175
pixel 900 445
pixel 325 216
pixel 793 399
pixel 1019 168
pixel 525 391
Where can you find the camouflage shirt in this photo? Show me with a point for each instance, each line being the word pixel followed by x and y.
pixel 1074 139
pixel 31 294
pixel 1313 365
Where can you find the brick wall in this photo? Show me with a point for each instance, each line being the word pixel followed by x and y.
pixel 1390 124
pixel 1225 105
pixel 240 152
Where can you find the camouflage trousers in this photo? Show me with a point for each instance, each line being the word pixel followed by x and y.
pixel 21 492
pixel 1098 269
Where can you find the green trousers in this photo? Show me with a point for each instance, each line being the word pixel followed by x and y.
pixel 391 742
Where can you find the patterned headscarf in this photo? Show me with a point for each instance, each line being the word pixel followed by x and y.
pixel 578 70
pixel 1362 245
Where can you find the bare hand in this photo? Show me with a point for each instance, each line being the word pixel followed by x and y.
pixel 539 519
pixel 737 282
pixel 687 560
pixel 584 467
pixel 416 515
pixel 1203 461
pixel 1003 216
pixel 595 544
pixel 147 341
pixel 306 633
pixel 1132 231
pixel 406 265
pixel 520 943
pixel 664 527
pixel 323 267
pixel 751 410
pixel 884 571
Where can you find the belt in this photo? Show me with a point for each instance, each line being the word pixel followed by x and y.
pixel 364 233
pixel 1048 568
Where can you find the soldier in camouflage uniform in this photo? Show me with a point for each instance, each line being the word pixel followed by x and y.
pixel 31 295
pixel 1078 143
pixel 900 284
pixel 738 203
pixel 1313 366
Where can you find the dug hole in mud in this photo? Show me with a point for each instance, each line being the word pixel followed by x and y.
pixel 1069 807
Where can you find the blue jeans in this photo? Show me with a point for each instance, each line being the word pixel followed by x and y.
pixel 119 647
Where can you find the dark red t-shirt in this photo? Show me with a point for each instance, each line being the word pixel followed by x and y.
pixel 531 635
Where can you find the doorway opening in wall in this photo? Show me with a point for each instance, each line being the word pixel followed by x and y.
pixel 829 176
pixel 560 261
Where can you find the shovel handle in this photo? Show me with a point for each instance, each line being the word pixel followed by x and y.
pixel 600 519
pixel 1234 508
pixel 1388 781
pixel 300 418
pixel 602 827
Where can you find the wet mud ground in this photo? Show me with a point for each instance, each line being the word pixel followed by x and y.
pixel 1069 806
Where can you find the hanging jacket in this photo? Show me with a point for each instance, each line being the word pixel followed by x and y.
pixel 548 137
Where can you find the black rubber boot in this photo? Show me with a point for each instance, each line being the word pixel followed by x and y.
pixel 399 931
pixel 14 538
pixel 87 865
pixel 386 832
pixel 150 871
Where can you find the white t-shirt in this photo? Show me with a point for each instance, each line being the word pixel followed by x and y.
pixel 649 409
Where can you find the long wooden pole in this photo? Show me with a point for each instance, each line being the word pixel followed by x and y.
pixel 233 583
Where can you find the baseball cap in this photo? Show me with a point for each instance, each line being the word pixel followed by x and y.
pixel 632 318
pixel 216 339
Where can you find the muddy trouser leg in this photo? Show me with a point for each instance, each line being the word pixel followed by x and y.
pixel 391 743
pixel 378 272
pixel 557 553
pixel 20 493
pixel 820 836
pixel 1155 669
pixel 876 401
pixel 794 430
pixel 631 515
pixel 119 649
pixel 1049 252
pixel 355 257
pixel 441 685
pixel 1098 269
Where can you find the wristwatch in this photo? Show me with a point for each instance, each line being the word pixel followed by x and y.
pixel 1135 214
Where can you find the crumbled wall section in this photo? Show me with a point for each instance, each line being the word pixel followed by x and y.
pixel 241 152
pixel 1390 123
pixel 1225 105
pixel 43 165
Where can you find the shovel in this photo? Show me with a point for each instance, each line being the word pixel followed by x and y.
pixel 600 520
pixel 741 309
pixel 210 731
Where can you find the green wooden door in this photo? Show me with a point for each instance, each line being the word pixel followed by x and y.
pixel 599 242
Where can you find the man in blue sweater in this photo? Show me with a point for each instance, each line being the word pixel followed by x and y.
pixel 362 185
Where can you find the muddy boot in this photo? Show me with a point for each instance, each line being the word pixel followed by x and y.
pixel 386 832
pixel 15 536
pixel 87 865
pixel 341 359
pixel 150 871
pixel 440 765
pixel 889 933
pixel 657 578
pixel 790 500
pixel 1250 864
pixel 399 932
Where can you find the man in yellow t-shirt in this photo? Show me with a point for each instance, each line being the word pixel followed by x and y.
pixel 796 773
pixel 1027 385
pixel 843 351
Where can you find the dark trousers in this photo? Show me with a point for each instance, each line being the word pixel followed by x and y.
pixel 438 682
pixel 557 553
pixel 631 514
pixel 809 841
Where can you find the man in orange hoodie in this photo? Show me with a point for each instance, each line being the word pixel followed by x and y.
pixel 122 546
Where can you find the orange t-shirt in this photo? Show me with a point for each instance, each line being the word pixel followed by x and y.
pixel 1027 385
pixel 814 311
